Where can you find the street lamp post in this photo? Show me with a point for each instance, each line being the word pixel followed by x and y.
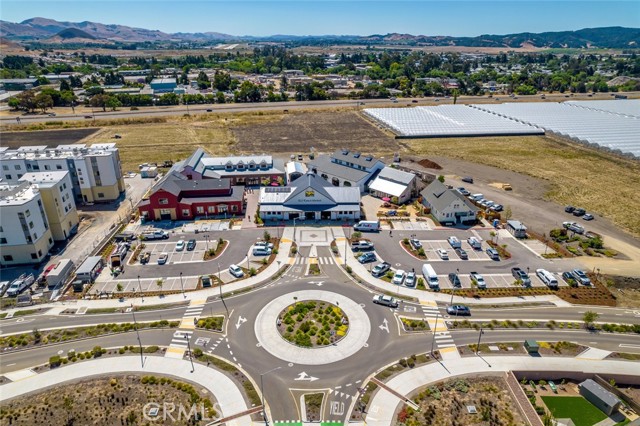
pixel 206 239
pixel 133 312
pixel 479 336
pixel 248 255
pixel 182 285
pixel 435 328
pixel 186 336
pixel 294 229
pixel 220 286
pixel 264 411
pixel 453 289
pixel 140 287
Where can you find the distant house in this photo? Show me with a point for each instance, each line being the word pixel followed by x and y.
pixel 599 396
pixel 347 168
pixel 163 85
pixel 449 207
pixel 175 197
pixel 250 170
pixel 391 183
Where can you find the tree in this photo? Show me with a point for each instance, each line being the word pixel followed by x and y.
pixel 507 213
pixel 589 318
pixel 441 178
pixel 13 103
pixel 266 236
pixel 113 103
pixel 27 100
pixel 64 85
pixel 44 101
pixel 119 287
pixel 99 101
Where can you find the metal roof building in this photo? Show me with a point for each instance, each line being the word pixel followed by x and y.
pixel 599 396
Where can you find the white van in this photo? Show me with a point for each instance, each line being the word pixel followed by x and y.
pixel 476 197
pixel 367 226
pixel 430 275
pixel 547 278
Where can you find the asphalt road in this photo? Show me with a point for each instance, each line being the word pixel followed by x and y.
pixel 282 388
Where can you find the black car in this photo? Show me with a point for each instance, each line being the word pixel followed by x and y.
pixel 569 278
pixel 569 209
pixel 191 244
pixel 458 310
pixel 415 243
pixel 455 280
pixel 467 179
pixel 462 254
pixel 579 212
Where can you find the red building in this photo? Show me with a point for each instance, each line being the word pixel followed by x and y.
pixel 175 197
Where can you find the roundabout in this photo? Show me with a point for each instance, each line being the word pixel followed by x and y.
pixel 270 338
pixel 313 324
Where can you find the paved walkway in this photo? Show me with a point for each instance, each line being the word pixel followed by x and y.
pixel 384 403
pixel 225 391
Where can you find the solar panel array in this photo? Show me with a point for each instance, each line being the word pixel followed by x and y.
pixel 630 107
pixel 592 126
pixel 447 120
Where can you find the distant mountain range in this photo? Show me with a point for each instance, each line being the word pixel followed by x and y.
pixel 49 30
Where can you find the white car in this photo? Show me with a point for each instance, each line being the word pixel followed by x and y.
pixel 264 244
pixel 443 254
pixel 180 245
pixel 236 271
pixel 162 259
pixel 410 281
pixel 398 277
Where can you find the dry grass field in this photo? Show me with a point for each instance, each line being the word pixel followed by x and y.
pixel 51 138
pixel 597 181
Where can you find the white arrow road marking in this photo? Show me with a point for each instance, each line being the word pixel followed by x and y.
pixel 385 325
pixel 305 377
pixel 240 321
pixel 318 283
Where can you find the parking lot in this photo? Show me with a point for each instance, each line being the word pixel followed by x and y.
pixel 175 257
pixel 110 285
pixel 495 281
pixel 430 247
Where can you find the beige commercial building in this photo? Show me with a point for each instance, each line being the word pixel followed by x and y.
pixel 25 235
pixel 57 196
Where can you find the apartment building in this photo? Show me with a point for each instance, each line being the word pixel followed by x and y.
pixel 95 171
pixel 57 196
pixel 25 235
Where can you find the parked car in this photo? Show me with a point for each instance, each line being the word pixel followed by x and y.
pixel 382 299
pixel 581 277
pixel 521 275
pixel 443 254
pixel 462 254
pixel 587 216
pixel 410 280
pixel 467 179
pixel 367 257
pixel 154 235
pixel 415 243
pixel 236 271
pixel 180 245
pixel 578 229
pixel 479 279
pixel 475 243
pixel 398 277
pixel 362 245
pixel 579 212
pixel 191 245
pixel 569 209
pixel 497 207
pixel 380 269
pixel 458 310
pixel 454 242
pixel 547 278
pixel 264 244
pixel 569 278
pixel 493 254
pixel 162 259
pixel 463 191
pixel 455 280
pixel 261 251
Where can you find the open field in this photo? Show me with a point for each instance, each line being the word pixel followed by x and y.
pixel 324 131
pixel 106 401
pixel 578 409
pixel 51 138
pixel 580 176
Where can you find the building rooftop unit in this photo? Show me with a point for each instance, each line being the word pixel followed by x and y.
pixel 15 195
pixel 44 179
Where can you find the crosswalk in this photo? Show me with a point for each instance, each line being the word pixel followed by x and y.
pixel 430 311
pixel 323 260
pixel 178 345
pixel 442 336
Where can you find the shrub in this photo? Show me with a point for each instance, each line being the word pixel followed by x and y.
pixel 54 361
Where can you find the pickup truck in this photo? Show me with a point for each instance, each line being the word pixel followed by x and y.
pixel 362 245
pixel 154 235
pixel 521 275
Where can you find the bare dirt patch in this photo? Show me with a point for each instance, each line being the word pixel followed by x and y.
pixel 325 131
pixel 51 138
pixel 625 289
pixel 428 164
pixel 114 401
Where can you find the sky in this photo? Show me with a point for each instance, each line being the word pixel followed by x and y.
pixel 361 17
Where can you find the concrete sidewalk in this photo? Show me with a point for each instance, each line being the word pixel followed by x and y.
pixel 282 259
pixel 384 403
pixel 423 296
pixel 225 391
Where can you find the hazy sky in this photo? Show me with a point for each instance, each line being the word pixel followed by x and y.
pixel 364 17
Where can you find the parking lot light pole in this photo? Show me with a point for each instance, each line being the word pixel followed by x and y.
pixel 182 285
pixel 133 312
pixel 479 336
pixel 187 337
pixel 264 411
pixel 220 286
pixel 206 239
pixel 453 289
pixel 249 254
pixel 140 286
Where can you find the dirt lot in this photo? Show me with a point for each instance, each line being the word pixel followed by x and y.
pixel 562 172
pixel 324 131
pixel 105 401
pixel 446 403
pixel 626 290
pixel 51 138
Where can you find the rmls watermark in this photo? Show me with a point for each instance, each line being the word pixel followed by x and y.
pixel 168 411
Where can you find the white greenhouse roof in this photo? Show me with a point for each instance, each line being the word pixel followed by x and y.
pixel 388 187
pixel 589 126
pixel 447 120
pixel 629 107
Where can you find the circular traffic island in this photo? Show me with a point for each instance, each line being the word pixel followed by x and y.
pixel 312 324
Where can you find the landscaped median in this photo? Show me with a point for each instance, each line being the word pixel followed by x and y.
pixel 41 338
pixel 313 323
